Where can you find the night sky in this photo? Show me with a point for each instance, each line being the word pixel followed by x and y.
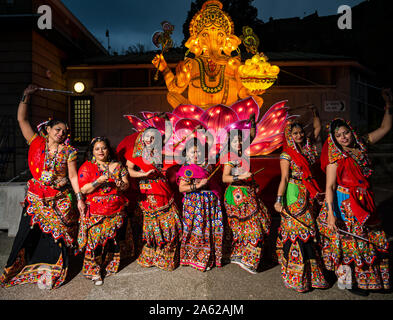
pixel 132 22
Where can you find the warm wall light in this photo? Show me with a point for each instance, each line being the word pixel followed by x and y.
pixel 79 87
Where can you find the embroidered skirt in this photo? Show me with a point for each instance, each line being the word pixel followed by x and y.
pixel 297 248
pixel 249 222
pixel 162 232
pixel 203 231
pixel 368 261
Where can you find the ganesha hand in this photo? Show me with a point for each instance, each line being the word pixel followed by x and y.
pixel 159 62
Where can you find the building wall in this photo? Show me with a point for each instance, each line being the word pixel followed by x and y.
pixel 110 104
pixel 47 57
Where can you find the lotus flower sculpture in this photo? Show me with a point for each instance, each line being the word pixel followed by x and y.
pixel 219 120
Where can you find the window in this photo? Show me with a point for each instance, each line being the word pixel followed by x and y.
pixel 81 111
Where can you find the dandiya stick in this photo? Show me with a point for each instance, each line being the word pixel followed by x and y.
pixel 256 172
pixel 212 174
pixel 55 90
pixel 179 142
pixel 349 233
pixel 293 218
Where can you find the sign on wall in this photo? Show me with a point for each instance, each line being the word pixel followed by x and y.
pixel 335 106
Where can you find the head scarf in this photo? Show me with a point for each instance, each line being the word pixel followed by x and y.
pixel 303 161
pixel 352 173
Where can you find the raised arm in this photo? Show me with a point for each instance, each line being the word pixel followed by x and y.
pixel 316 121
pixel 22 116
pixel 175 83
pixel 386 124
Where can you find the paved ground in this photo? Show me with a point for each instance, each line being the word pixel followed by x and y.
pixel 227 283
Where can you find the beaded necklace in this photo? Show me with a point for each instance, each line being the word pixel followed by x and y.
pixel 203 74
pixel 48 172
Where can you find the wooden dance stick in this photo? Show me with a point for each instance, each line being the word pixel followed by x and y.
pixel 288 215
pixel 256 172
pixel 192 132
pixel 212 174
pixel 349 233
pixel 159 115
pixel 55 90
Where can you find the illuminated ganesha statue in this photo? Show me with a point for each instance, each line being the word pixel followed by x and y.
pixel 222 92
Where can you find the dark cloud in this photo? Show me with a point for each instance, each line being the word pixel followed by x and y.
pixel 134 21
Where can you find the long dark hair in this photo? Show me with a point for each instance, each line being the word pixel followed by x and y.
pixel 42 128
pixel 195 142
pixel 231 135
pixel 111 154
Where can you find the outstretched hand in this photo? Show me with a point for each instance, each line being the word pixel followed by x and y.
pixel 32 88
pixel 159 62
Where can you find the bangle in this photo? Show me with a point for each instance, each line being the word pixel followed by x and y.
pixel 79 196
pixel 23 100
pixel 166 70
pixel 95 184
pixel 279 199
pixel 235 178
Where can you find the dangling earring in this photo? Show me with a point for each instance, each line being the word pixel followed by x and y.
pixel 93 159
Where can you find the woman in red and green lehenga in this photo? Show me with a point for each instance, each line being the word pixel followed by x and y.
pixel 48 225
pixel 102 180
pixel 360 260
pixel 248 218
pixel 203 227
pixel 298 192
pixel 161 222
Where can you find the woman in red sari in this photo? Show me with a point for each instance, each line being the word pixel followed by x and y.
pixel 102 180
pixel 360 260
pixel 48 225
pixel 297 196
pixel 161 222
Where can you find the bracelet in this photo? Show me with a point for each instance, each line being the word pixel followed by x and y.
pixel 389 108
pixel 235 178
pixel 166 71
pixel 193 187
pixel 79 196
pixel 95 184
pixel 279 199
pixel 23 100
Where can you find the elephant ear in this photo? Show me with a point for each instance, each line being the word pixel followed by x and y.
pixel 194 48
pixel 232 42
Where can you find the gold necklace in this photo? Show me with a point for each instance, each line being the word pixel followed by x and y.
pixel 203 73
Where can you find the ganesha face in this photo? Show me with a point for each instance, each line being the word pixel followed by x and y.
pixel 213 42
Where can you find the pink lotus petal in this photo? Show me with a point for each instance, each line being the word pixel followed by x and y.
pixel 188 111
pixel 238 125
pixel 173 118
pixel 244 108
pixel 272 123
pixel 136 122
pixel 267 146
pixel 218 117
pixel 184 127
pixel 274 108
pixel 257 149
